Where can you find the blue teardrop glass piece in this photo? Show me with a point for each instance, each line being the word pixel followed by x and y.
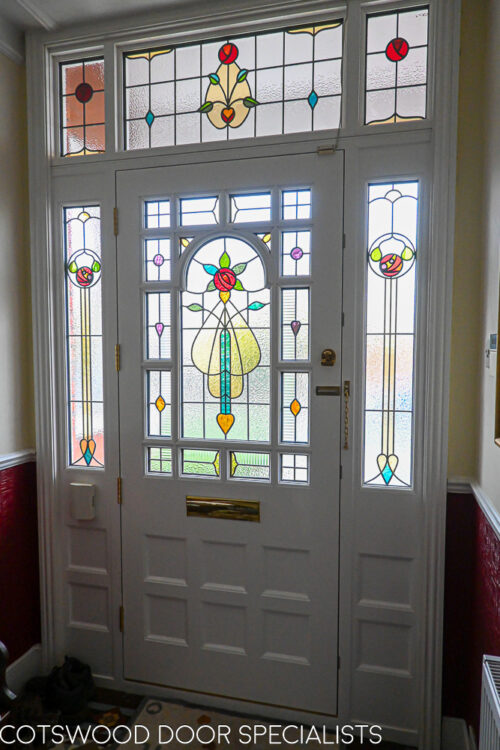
pixel 312 99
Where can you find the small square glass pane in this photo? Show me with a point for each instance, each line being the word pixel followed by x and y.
pixel 156 214
pixel 296 204
pixel 294 467
pixel 159 461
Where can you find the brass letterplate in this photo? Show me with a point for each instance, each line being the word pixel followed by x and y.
pixel 221 507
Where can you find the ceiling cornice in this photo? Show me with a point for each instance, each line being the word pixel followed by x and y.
pixel 11 41
pixel 40 16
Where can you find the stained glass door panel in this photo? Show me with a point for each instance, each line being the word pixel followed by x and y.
pixel 229 289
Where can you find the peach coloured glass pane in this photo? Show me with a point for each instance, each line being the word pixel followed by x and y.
pixel 82 105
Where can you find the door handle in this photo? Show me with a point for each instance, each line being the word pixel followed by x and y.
pixel 328 358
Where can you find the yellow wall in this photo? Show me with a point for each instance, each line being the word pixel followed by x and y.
pixel 16 362
pixel 467 337
pixel 489 453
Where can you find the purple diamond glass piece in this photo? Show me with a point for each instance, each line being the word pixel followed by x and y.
pixel 158 260
pixel 295 326
pixel 297 253
pixel 159 328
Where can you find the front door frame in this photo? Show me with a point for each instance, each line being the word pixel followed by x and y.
pixel 46 174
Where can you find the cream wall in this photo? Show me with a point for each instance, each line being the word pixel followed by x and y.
pixel 466 337
pixel 489 453
pixel 16 361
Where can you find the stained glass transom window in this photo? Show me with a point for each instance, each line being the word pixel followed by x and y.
pixel 83 265
pixel 390 334
pixel 396 66
pixel 82 107
pixel 266 84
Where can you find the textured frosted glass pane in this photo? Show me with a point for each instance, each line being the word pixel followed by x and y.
pixel 296 204
pixel 137 134
pixel 298 81
pixel 411 102
pixel 252 207
pixel 269 85
pixel 162 99
pixel 412 70
pixel 249 465
pixel 162 67
pixel 381 29
pixel 327 78
pixel 296 253
pixel 295 407
pixel 404 373
pixel 199 211
pixel 294 324
pixel 158 325
pixel 328 44
pixel 294 467
pixel 159 460
pixel 157 256
pixel 413 26
pixel 137 102
pixel 158 391
pixel 298 48
pixel 200 463
pixel 380 106
pixel 298 117
pixel 136 71
pixel 187 96
pixel 188 128
pixel 188 62
pixel 374 371
pixel 269 119
pixel 403 441
pixel 327 113
pixel 380 72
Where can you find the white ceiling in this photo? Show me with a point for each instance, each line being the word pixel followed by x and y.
pixel 52 14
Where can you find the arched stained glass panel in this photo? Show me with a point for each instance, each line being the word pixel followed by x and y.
pixel 225 318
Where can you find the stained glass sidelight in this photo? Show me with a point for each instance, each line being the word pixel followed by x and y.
pixel 266 84
pixel 390 334
pixel 82 257
pixel 226 343
pixel 82 107
pixel 396 66
pixel 249 465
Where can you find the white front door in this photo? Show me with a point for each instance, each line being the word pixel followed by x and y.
pixel 230 288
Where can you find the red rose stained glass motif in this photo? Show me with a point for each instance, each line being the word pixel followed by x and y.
pixel 397 49
pixel 83 92
pixel 82 107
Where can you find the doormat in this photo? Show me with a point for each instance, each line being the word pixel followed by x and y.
pixel 162 724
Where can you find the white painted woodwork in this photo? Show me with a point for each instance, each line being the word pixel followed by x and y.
pixel 245 610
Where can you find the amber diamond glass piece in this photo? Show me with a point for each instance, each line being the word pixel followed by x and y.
pixel 295 407
pixel 160 403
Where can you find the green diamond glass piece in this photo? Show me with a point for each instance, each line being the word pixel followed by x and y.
pixel 149 118
pixel 312 99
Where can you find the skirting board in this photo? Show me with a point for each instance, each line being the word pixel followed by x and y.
pixel 23 669
pixel 455 735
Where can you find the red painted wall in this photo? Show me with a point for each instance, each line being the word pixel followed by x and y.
pixel 472 605
pixel 19 583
